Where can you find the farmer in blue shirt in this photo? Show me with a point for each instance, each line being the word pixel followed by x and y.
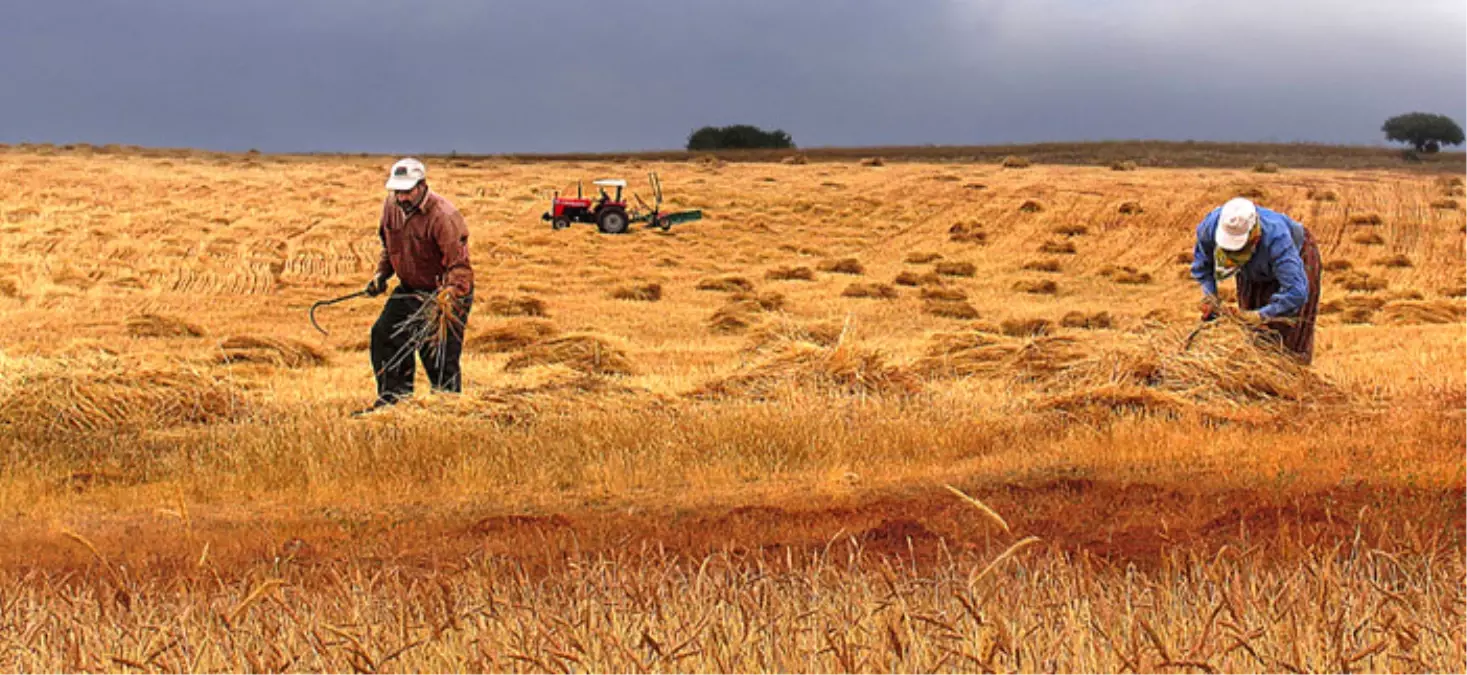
pixel 1277 267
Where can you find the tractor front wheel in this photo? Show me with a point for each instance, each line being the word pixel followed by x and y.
pixel 612 221
pixel 560 223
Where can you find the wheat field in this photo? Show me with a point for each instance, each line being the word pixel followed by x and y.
pixel 865 416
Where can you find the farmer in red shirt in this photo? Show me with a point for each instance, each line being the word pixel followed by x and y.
pixel 425 243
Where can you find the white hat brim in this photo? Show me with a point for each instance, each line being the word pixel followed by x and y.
pixel 402 183
pixel 1229 242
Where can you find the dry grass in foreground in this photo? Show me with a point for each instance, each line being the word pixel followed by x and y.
pixel 842 610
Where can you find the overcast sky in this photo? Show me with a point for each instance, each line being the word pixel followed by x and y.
pixel 495 76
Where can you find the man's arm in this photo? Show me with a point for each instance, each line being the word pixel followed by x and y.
pixel 1288 269
pixel 1202 255
pixel 452 235
pixel 384 261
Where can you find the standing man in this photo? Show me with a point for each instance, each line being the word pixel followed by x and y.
pixel 425 242
pixel 1277 266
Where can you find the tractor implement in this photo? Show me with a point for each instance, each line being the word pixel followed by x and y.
pixel 610 212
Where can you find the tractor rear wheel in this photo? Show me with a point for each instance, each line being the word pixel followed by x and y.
pixel 612 221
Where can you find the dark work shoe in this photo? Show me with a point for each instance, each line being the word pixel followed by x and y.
pixel 376 406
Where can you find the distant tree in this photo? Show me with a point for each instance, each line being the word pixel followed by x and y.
pixel 738 136
pixel 1424 131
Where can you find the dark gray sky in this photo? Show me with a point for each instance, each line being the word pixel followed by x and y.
pixel 496 76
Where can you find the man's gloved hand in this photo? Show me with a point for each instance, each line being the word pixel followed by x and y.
pixel 1210 307
pixel 377 286
pixel 1248 317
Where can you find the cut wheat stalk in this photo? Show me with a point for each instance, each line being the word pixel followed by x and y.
pixel 439 316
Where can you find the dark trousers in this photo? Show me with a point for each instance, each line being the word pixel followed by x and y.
pixel 394 363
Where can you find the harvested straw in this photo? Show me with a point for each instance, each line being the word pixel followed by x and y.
pixel 1026 327
pixel 970 353
pixel 779 331
pixel 1058 247
pixel 160 326
pixel 584 352
pixel 510 336
pixel 1351 302
pixel 742 311
pixel 950 309
pixel 922 258
pixel 1367 218
pixel 908 278
pixel 1094 321
pixel 873 291
pixel 650 292
pixel 1015 162
pixel 1042 265
pixel 1113 398
pixel 42 398
pixel 843 266
pixel 1124 274
pixel 1069 229
pixel 1227 363
pixel 1411 312
pixel 1397 260
pixel 1322 195
pixel 967 233
pixel 281 352
pixel 766 302
pixel 1031 206
pixel 1362 282
pixel 524 305
pixel 1044 287
pixel 726 284
pixel 790 274
pixel 933 292
pixel 1123 165
pixel 1130 208
pixel 872 161
pixel 842 369
pixel 955 269
pixel 438 318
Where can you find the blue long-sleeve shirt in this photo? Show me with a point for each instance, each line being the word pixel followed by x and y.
pixel 1277 259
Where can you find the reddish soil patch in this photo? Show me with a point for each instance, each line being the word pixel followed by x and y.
pixel 1121 523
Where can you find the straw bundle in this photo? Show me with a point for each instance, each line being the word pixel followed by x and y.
pixel 584 352
pixel 67 396
pixel 842 369
pixel 160 326
pixel 780 331
pixel 513 335
pixel 280 352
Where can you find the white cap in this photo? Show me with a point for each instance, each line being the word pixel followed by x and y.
pixel 1237 220
pixel 406 174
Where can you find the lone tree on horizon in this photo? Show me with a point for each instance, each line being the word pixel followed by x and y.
pixel 738 136
pixel 1424 131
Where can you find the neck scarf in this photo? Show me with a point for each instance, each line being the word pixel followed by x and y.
pixel 1227 264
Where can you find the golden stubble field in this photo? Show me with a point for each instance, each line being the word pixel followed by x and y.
pixel 726 447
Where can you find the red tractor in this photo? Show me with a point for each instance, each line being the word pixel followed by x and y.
pixel 609 211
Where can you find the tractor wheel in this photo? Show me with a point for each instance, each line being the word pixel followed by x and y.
pixel 612 221
pixel 560 223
